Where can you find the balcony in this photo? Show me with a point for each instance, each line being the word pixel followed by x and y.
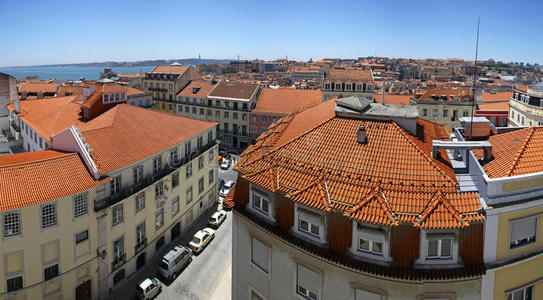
pixel 155 89
pixel 141 245
pixel 118 262
pixel 147 181
pixel 15 126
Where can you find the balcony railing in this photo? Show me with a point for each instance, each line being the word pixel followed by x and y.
pixel 118 262
pixel 15 126
pixel 139 246
pixel 149 180
pixel 155 89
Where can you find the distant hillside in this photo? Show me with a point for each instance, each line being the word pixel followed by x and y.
pixel 113 64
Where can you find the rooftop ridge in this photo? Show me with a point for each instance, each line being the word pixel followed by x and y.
pixel 436 201
pixel 521 151
pixel 62 154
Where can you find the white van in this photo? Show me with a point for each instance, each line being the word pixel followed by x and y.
pixel 174 262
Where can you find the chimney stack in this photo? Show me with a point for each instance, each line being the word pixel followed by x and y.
pixel 17 106
pixel 383 92
pixel 362 137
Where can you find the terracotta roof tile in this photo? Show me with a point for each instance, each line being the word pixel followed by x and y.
pixel 202 88
pixel 170 69
pixel 30 87
pixel 286 101
pixel 234 89
pixel 37 177
pixel 349 75
pixel 498 106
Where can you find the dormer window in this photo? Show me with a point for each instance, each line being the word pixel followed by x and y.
pixel 309 222
pixel 327 86
pixel 337 86
pixel 359 87
pixel 439 247
pixel 348 87
pixel 369 87
pixel 260 202
pixel 370 240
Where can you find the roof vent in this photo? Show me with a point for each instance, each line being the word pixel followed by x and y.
pixel 362 137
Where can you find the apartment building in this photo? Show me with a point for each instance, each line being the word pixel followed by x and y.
pixel 340 82
pixel 307 74
pixel 107 186
pixel 274 104
pixel 332 203
pixel 446 106
pixel 510 185
pixel 526 107
pixel 192 100
pixel 165 82
pixel 8 93
pixel 138 97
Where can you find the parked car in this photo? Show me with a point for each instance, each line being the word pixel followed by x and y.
pixel 217 218
pixel 201 239
pixel 149 288
pixel 174 262
pixel 225 164
pixel 227 188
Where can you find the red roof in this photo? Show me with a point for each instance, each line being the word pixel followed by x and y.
pixel 497 97
pixel 179 70
pixel 36 177
pixel 286 101
pixel 349 75
pixel 197 89
pixel 393 99
pixel 315 159
pixel 500 106
pixel 30 87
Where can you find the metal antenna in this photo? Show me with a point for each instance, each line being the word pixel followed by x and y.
pixel 474 79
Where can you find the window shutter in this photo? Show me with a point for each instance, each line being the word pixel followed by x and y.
pixel 261 254
pixel 523 229
pixel 308 279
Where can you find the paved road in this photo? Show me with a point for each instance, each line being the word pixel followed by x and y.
pixel 205 273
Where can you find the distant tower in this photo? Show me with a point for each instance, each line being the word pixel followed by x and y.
pixel 199 57
pixel 238 57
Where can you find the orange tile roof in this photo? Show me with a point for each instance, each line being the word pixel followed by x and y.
pixel 130 91
pixel 392 179
pixel 449 93
pixel 515 153
pixel 30 87
pixel 36 177
pixel 203 88
pixel 502 106
pixel 67 90
pixel 349 75
pixel 170 69
pixel 234 89
pixel 286 101
pixel 497 97
pixel 119 136
pixel 523 89
pixel 393 99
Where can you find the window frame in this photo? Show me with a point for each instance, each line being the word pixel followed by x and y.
pixel 18 223
pixel 78 212
pixel 519 220
pixel 139 197
pixel 159 213
pixel 53 212
pixel 116 217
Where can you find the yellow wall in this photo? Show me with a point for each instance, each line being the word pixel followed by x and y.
pixel 503 251
pixel 440 107
pixel 518 275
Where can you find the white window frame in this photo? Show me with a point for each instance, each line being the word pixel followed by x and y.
pixel 11 225
pixel 157 165
pixel 304 292
pixel 175 206
pixel 159 218
pixel 264 267
pixel 81 204
pixel 140 201
pixel 439 254
pixel 310 216
pixel 117 214
pixel 519 220
pixel 373 236
pixel 260 197
pixel 159 189
pixel 337 86
pixel 524 290
pixel 138 174
pixel 327 86
pixel 51 219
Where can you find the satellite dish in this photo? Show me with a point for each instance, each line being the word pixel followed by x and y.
pixel 103 254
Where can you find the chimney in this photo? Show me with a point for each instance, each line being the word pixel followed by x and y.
pixel 383 91
pixel 17 106
pixel 362 137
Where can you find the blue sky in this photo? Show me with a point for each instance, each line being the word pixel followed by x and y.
pixel 47 32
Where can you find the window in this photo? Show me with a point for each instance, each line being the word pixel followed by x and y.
pixel 522 232
pixel 200 162
pixel 14 283
pixel 189 170
pixel 200 142
pixel 175 206
pixel 200 185
pixel 138 174
pixel 157 165
pixel 253 129
pixel 50 272
pixel 370 240
pixel 159 218
pixel 337 87
pixel 260 202
pixel 210 137
pixel 175 179
pixel 174 155
pixel 445 113
pixel 439 247
pixel 244 117
pixel 263 119
pixel 211 155
pixel 327 86
pixel 525 293
pixel 358 86
pixel 211 175
pixel 217 114
pixel 260 255
pixel 82 236
pixel 81 206
pixel 235 116
pixel 140 201
pixel 365 295
pixel 115 185
pixel 12 224
pixel 307 283
pixel 309 222
pixel 188 149
pixel 187 109
pixel 159 189
pixel 117 214
pixel 434 113
pixel 424 112
pixel 226 115
pixel 348 87
pixel 118 251
pixel 48 215
pixel 189 194
pixel 465 113
pixel 253 118
pixel 140 235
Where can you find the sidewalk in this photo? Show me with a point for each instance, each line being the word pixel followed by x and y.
pixel 127 289
pixel 223 290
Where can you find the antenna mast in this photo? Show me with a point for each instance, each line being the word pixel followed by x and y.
pixel 474 79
